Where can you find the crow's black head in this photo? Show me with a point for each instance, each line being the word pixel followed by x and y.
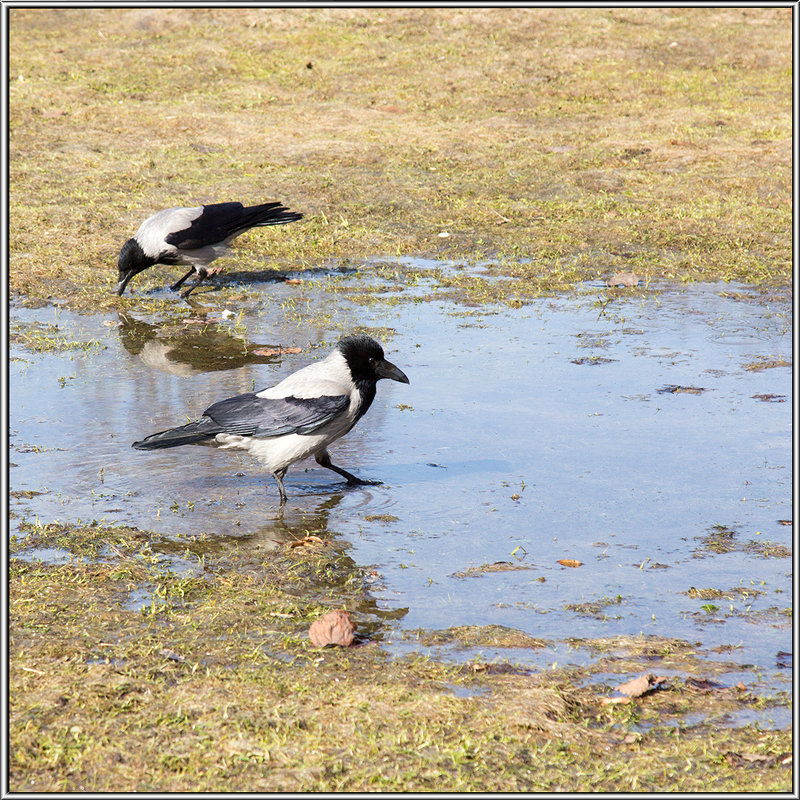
pixel 366 361
pixel 132 261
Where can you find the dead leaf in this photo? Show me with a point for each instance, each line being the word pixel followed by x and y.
pixel 294 281
pixel 747 759
pixel 623 279
pixel 754 757
pixel 570 562
pixel 306 540
pixel 334 628
pixel 639 686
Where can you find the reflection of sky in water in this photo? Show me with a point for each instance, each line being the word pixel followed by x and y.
pixel 608 470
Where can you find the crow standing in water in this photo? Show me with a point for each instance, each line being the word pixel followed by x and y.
pixel 297 418
pixel 193 237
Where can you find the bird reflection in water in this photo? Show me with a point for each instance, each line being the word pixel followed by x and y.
pixel 193 345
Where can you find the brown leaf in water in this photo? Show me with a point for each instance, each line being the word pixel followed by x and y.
pixel 639 686
pixel 623 279
pixel 570 562
pixel 294 281
pixel 267 351
pixel 306 540
pixel 334 628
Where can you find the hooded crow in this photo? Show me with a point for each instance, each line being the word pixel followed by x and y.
pixel 297 418
pixel 193 237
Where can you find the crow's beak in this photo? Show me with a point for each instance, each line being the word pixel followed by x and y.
pixel 123 283
pixel 386 369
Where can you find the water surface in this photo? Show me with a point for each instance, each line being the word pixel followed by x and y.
pixel 630 436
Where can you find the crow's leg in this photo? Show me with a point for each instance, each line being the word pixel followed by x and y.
pixel 324 460
pixel 204 274
pixel 278 475
pixel 177 285
pixel 185 294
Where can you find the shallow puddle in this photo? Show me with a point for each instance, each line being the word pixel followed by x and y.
pixel 630 435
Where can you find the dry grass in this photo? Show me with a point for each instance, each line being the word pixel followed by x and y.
pixel 561 144
pixel 213 685
pixel 655 139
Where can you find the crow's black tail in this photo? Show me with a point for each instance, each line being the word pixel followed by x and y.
pixel 267 214
pixel 224 221
pixel 193 433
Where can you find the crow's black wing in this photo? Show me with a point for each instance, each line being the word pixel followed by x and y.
pixel 222 221
pixel 251 415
